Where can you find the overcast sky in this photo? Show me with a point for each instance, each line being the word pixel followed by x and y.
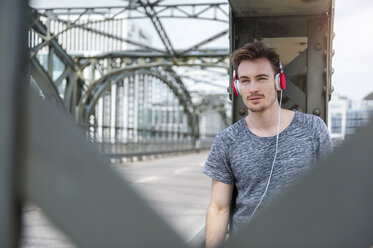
pixel 352 62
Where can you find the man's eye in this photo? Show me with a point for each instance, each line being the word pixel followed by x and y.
pixel 245 81
pixel 261 79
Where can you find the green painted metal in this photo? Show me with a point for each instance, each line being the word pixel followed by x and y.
pixel 79 193
pixel 13 61
pixel 255 8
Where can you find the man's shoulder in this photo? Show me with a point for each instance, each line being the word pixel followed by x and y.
pixel 312 124
pixel 230 133
pixel 309 120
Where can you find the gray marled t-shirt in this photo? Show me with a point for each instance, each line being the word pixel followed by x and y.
pixel 240 157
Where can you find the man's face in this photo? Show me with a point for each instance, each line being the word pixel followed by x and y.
pixel 257 84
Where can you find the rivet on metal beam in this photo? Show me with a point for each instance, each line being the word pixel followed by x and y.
pixel 331 88
pixel 318 46
pixel 242 111
pixel 316 112
pixel 319 26
pixel 333 52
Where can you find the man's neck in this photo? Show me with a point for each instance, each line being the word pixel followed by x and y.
pixel 265 121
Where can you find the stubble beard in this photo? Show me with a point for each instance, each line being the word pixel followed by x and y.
pixel 261 108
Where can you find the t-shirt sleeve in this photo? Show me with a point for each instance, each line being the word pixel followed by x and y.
pixel 218 165
pixel 323 143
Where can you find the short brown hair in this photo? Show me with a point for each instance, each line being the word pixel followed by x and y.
pixel 255 50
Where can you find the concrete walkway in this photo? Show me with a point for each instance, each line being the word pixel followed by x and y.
pixel 174 186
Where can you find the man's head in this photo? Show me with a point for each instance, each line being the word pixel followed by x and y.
pixel 256 66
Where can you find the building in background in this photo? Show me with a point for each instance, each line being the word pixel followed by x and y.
pixel 346 116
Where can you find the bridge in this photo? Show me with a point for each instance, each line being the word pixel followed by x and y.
pixel 81 99
pixel 129 101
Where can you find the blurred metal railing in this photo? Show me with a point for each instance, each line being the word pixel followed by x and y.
pixel 123 150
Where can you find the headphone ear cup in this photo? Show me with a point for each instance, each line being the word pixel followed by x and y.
pixel 277 81
pixel 236 87
pixel 282 81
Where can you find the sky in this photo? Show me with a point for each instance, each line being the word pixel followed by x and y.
pixel 352 62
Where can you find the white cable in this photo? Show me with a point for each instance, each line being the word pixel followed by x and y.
pixel 274 159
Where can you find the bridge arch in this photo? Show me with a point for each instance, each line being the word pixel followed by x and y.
pixel 138 88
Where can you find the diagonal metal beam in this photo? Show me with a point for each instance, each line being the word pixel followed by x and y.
pixel 296 65
pixel 43 79
pixel 65 73
pixel 91 203
pixel 150 12
pixel 295 94
pixel 40 28
pixel 208 40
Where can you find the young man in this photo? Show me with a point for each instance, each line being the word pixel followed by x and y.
pixel 262 153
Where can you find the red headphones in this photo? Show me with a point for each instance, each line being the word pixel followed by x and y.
pixel 280 81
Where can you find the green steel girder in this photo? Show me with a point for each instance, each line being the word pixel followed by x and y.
pixel 150 12
pixel 71 73
pixel 217 58
pixel 42 78
pixel 40 28
pixel 202 53
pixel 255 8
pixel 201 11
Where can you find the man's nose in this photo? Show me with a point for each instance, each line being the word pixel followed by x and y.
pixel 254 87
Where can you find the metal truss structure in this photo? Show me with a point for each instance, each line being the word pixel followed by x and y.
pixel 137 10
pixel 92 85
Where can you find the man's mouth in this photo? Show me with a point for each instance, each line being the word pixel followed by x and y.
pixel 255 98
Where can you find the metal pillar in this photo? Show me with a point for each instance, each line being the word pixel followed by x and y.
pixel 303 42
pixel 317 84
pixel 13 48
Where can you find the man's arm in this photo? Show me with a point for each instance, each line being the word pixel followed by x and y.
pixel 218 213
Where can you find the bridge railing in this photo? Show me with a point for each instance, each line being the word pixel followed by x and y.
pixel 139 151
